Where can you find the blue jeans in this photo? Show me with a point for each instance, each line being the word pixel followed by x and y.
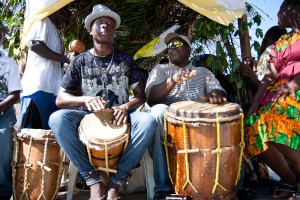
pixel 7 122
pixel 64 124
pixel 157 151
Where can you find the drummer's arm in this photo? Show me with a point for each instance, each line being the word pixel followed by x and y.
pixel 160 91
pixel 138 99
pixel 71 98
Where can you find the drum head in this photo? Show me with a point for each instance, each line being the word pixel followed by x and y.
pixel 39 134
pixel 192 111
pixel 96 128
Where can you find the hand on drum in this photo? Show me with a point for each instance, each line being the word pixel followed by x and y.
pixel 215 97
pixel 120 116
pixel 95 103
pixel 183 75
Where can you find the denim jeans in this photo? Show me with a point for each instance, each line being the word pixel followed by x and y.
pixel 157 151
pixel 7 122
pixel 64 124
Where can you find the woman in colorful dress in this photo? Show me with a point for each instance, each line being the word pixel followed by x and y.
pixel 272 128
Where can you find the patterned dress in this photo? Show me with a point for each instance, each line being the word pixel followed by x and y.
pixel 277 122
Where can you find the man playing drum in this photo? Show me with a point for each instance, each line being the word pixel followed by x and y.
pixel 168 83
pixel 103 75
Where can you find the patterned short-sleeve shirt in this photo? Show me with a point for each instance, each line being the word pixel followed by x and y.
pixel 109 77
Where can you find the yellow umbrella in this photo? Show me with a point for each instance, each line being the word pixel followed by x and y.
pixel 221 11
pixel 37 10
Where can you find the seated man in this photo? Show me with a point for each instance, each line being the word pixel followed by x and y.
pixel 169 83
pixel 103 75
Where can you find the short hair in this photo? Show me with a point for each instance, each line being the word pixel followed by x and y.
pixel 274 33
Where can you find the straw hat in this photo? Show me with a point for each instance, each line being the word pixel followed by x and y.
pixel 101 11
pixel 171 36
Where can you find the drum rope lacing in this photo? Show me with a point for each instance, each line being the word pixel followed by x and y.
pixel 43 171
pixel 242 146
pixel 219 151
pixel 26 166
pixel 188 181
pixel 15 157
pixel 106 169
pixel 166 147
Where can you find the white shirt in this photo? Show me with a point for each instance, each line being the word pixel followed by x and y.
pixel 9 76
pixel 41 73
pixel 263 62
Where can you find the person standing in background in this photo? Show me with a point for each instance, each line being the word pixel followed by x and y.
pixel 10 85
pixel 44 70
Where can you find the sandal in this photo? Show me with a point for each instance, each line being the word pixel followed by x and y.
pixel 284 190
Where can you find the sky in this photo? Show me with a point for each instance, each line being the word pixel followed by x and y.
pixel 265 7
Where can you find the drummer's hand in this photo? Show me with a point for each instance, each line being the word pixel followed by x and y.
pixel 95 103
pixel 120 116
pixel 215 97
pixel 183 75
pixel 284 91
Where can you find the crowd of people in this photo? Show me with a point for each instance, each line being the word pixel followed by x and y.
pixel 103 76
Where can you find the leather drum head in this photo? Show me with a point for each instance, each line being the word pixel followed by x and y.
pixel 192 111
pixel 95 128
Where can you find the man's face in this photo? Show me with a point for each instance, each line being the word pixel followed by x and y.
pixel 178 51
pixel 103 28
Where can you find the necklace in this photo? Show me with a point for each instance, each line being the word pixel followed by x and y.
pixel 112 58
pixel 104 74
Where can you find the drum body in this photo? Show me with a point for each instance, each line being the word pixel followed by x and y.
pixel 105 142
pixel 203 150
pixel 38 165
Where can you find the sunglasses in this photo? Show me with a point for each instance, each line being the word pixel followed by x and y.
pixel 174 44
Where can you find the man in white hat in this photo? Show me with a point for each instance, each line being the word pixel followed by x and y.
pixel 168 83
pixel 103 75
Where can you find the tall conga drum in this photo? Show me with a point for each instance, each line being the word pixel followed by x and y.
pixel 204 148
pixel 37 165
pixel 105 142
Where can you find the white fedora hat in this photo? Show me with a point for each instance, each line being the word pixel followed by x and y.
pixel 101 11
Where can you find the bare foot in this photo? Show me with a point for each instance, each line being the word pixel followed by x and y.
pixel 97 191
pixel 112 191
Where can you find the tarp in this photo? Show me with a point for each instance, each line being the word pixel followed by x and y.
pixel 37 10
pixel 221 11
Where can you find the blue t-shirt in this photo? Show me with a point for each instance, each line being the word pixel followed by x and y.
pixel 109 77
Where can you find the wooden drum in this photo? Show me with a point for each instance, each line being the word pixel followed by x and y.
pixel 38 165
pixel 203 148
pixel 105 142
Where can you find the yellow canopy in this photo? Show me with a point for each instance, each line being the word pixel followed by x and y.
pixel 221 11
